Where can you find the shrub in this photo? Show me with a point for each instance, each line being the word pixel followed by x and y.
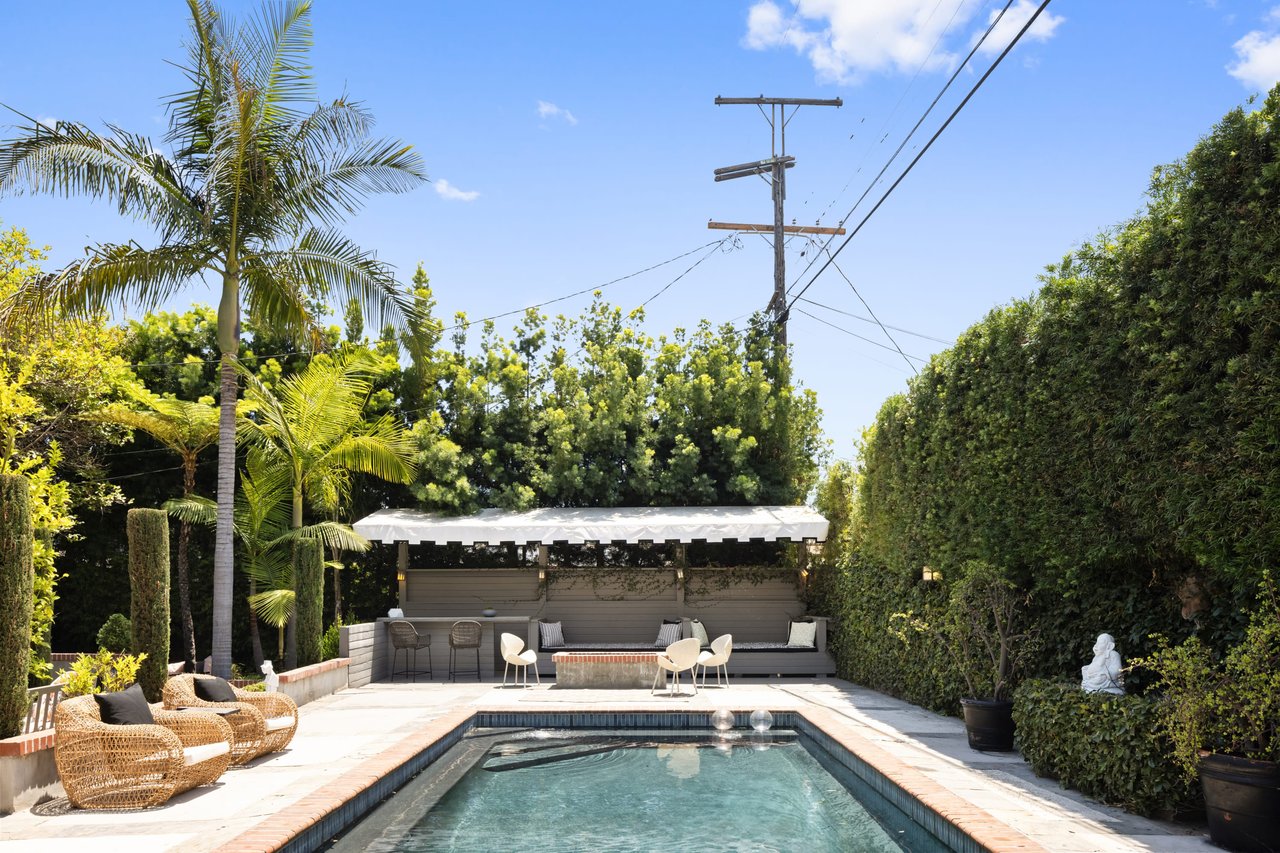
pixel 116 634
pixel 148 531
pixel 308 576
pixel 1228 705
pixel 1108 747
pixel 101 672
pixel 329 642
pixel 17 579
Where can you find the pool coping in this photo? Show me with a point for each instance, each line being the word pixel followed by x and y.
pixel 324 812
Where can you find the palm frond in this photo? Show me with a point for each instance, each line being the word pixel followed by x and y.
pixel 194 509
pixel 69 159
pixel 144 278
pixel 273 606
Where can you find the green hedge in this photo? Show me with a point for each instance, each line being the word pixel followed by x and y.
pixel 1101 745
pixel 148 531
pixel 1120 423
pixel 17 578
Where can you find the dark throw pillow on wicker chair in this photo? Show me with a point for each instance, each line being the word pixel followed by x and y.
pixel 214 690
pixel 126 708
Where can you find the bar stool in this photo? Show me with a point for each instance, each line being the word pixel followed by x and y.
pixel 465 634
pixel 405 636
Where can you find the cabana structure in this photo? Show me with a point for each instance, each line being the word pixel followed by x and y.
pixel 563 565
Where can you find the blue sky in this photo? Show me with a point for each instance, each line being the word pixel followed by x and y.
pixel 570 144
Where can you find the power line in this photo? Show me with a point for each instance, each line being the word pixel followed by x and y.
pixel 854 334
pixel 468 323
pixel 869 320
pixel 589 289
pixel 928 145
pixel 883 127
pixel 991 27
pixel 689 270
pixel 866 305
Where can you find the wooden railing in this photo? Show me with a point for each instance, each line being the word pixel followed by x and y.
pixel 43 701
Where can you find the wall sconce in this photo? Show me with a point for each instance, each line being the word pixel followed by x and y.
pixel 400 577
pixel 928 574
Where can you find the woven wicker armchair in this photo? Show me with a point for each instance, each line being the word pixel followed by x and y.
pixel 138 766
pixel 265 722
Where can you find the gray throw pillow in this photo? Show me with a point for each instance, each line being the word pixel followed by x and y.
pixel 551 634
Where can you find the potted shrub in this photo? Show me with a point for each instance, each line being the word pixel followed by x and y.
pixel 1223 716
pixel 988 627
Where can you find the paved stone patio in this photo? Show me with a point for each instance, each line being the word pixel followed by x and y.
pixel 345 738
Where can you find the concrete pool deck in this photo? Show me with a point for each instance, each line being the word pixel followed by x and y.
pixel 347 739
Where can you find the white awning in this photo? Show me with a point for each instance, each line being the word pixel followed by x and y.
pixel 612 524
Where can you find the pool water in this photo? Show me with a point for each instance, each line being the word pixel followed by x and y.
pixel 540 790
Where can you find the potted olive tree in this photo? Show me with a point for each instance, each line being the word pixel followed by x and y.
pixel 990 631
pixel 1222 714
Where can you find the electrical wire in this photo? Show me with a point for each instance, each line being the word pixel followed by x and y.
pixel 990 28
pixel 883 127
pixel 976 86
pixel 689 270
pixel 468 323
pixel 869 320
pixel 854 334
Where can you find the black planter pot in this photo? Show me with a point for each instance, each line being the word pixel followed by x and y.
pixel 989 724
pixel 1242 800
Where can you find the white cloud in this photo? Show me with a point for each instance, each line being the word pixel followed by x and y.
pixel 1013 21
pixel 1258 57
pixel 48 121
pixel 846 41
pixel 446 190
pixel 546 109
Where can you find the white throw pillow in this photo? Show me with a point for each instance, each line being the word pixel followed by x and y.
pixel 551 634
pixel 700 631
pixel 803 635
pixel 668 634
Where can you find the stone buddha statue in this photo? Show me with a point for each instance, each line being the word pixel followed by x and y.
pixel 1102 674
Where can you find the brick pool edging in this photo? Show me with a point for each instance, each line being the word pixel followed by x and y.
pixel 318 816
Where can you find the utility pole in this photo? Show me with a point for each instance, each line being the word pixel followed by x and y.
pixel 776 167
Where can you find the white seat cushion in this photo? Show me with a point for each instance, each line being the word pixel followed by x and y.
pixel 529 656
pixel 203 752
pixel 803 635
pixel 275 724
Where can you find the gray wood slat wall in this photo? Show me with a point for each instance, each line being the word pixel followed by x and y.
pixel 607 612
pixel 361 643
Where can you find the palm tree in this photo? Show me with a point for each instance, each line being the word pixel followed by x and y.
pixel 263 524
pixel 312 424
pixel 257 178
pixel 187 429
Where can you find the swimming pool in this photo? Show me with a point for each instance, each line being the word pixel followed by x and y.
pixel 549 789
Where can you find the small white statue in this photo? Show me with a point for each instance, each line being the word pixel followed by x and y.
pixel 1103 675
pixel 270 679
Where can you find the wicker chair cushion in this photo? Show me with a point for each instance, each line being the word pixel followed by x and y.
pixel 275 724
pixel 126 708
pixel 205 751
pixel 215 690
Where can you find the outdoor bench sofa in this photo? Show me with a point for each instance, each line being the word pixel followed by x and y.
pixel 750 657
